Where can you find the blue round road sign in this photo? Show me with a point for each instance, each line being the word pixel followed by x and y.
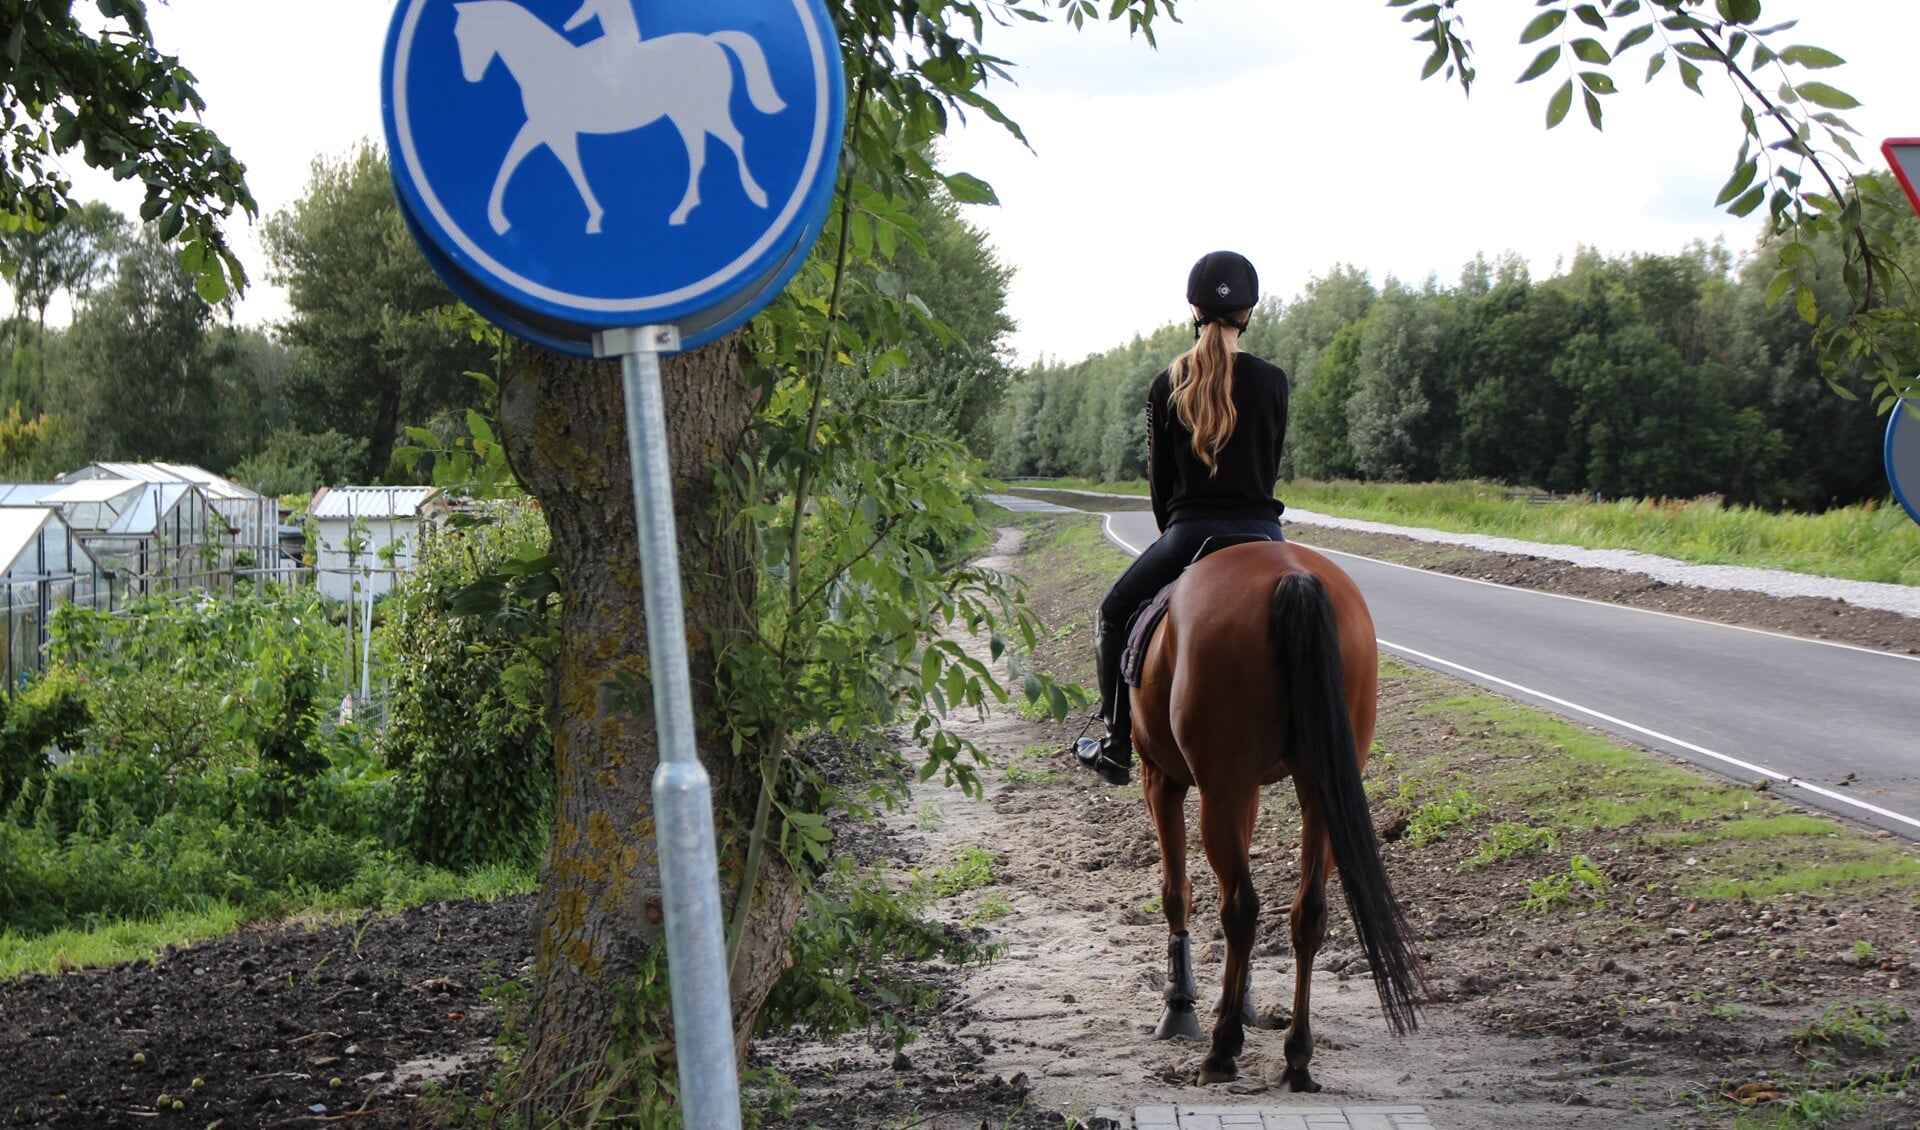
pixel 577 165
pixel 1903 456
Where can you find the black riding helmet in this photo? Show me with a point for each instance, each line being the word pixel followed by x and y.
pixel 1222 283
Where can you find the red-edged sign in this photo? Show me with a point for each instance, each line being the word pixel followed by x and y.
pixel 1903 154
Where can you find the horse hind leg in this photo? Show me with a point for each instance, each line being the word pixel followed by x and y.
pixel 730 137
pixel 1166 803
pixel 1226 831
pixel 695 138
pixel 1307 925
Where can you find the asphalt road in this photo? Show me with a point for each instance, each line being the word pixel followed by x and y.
pixel 1747 704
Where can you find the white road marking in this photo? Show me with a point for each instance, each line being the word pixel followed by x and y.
pixel 1770 774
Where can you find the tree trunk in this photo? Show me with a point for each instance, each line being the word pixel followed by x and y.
pixel 598 915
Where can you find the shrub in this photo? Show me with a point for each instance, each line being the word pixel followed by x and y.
pixel 466 727
pixel 48 714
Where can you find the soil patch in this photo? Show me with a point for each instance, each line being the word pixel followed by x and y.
pixel 288 1026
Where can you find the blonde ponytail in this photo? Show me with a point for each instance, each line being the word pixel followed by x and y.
pixel 1203 393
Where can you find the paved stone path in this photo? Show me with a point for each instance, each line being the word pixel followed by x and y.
pixel 1194 1116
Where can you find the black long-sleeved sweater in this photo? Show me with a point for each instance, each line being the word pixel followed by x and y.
pixel 1248 464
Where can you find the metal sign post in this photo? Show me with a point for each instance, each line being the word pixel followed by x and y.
pixel 682 798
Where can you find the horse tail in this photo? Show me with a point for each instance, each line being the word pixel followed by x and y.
pixel 760 89
pixel 1326 766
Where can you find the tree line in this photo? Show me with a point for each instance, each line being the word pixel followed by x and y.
pixel 1642 375
pixel 374 342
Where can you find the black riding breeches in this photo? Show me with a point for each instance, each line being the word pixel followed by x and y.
pixel 1161 562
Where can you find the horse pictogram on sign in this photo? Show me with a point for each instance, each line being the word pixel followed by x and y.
pixel 683 78
pixel 552 155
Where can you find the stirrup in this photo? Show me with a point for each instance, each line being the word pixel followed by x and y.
pixel 1094 755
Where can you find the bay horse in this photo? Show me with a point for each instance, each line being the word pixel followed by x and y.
pixel 1265 667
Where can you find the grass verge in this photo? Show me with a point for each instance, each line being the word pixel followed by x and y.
pixel 1868 542
pixel 141 939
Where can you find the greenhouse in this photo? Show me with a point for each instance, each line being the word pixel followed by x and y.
pixel 144 536
pixel 46 564
pixel 252 520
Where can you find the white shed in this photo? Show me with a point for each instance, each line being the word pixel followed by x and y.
pixel 365 538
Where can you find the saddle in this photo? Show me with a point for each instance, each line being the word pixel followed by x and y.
pixel 1140 628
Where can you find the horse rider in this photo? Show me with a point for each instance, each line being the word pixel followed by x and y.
pixel 619 27
pixel 1216 420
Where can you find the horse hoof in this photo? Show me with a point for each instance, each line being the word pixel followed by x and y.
pixel 1297 1079
pixel 1211 1073
pixel 1178 1022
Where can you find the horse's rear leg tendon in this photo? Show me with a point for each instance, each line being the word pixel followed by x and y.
pixel 1166 803
pixel 1226 831
pixel 1308 928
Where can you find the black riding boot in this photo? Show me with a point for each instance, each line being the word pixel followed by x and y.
pixel 1112 756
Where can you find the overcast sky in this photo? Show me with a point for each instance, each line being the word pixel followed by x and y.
pixel 1296 131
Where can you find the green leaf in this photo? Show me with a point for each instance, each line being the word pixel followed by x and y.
pixel 1633 38
pixel 1559 104
pixel 1593 107
pixel 1806 304
pixel 1738 182
pixel 1543 25
pixel 1591 16
pixel 211 285
pixel 1739 11
pixel 966 188
pixel 1654 64
pixel 478 427
pixel 1820 94
pixel 1777 290
pixel 1749 201
pixel 1690 75
pixel 1590 51
pixel 1812 58
pixel 1542 63
pixel 1599 82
